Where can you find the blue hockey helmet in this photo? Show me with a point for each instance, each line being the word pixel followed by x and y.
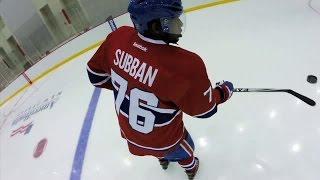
pixel 167 12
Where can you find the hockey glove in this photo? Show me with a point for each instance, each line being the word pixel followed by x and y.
pixel 226 90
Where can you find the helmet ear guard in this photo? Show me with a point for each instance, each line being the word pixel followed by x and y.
pixel 158 31
pixel 171 29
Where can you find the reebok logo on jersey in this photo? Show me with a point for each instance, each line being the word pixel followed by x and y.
pixel 145 73
pixel 140 47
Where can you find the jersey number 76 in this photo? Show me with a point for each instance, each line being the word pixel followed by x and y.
pixel 139 119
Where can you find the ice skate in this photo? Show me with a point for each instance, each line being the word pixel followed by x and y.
pixel 164 163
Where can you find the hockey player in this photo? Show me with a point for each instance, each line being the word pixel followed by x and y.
pixel 154 83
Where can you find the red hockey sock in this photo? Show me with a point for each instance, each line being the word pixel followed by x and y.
pixel 188 164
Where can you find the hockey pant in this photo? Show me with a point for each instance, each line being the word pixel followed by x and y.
pixel 183 154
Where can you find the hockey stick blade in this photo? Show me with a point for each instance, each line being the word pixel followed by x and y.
pixel 297 95
pixel 302 97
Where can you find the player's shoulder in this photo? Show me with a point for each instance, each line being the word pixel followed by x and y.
pixel 120 33
pixel 123 30
pixel 190 59
pixel 126 29
pixel 188 53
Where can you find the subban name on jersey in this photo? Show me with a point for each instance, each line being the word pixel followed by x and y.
pixel 135 68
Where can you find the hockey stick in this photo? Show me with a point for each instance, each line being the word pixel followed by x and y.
pixel 300 96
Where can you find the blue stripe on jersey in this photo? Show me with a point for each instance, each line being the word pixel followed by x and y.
pixel 208 114
pixel 94 79
pixel 160 118
pixel 115 94
pixel 125 106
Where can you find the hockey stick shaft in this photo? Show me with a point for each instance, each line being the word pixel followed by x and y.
pixel 297 95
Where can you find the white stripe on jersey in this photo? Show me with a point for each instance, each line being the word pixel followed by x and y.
pixel 207 111
pixel 98 74
pixel 114 85
pixel 124 114
pixel 102 82
pixel 159 110
pixel 155 125
pixel 166 123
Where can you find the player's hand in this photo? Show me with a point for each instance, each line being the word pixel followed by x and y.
pixel 226 90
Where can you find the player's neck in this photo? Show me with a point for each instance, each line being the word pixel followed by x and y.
pixel 150 40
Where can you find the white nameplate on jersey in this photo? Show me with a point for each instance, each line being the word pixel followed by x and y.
pixel 135 68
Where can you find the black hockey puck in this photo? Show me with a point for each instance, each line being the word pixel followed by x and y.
pixel 312 79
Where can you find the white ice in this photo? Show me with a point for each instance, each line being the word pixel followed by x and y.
pixel 256 136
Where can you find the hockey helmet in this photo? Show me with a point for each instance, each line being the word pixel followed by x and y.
pixel 166 12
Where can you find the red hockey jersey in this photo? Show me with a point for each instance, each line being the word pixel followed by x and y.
pixel 153 84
